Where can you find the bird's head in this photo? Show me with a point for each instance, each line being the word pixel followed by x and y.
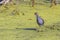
pixel 36 13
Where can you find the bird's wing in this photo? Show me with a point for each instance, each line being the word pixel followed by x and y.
pixel 40 20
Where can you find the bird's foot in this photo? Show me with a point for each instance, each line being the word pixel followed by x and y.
pixel 39 30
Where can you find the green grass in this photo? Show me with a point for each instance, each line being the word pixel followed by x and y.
pixel 10 20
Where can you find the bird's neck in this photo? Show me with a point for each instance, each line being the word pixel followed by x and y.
pixel 37 16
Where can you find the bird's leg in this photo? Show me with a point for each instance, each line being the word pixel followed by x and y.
pixel 39 29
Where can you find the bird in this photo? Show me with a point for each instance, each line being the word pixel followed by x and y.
pixel 39 20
